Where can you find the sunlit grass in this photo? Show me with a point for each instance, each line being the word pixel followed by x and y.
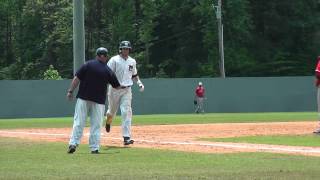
pixel 169 119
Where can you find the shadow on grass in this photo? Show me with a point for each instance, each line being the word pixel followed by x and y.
pixel 113 149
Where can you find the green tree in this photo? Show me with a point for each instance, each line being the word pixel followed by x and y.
pixel 51 74
pixel 175 38
pixel 284 36
pixel 179 38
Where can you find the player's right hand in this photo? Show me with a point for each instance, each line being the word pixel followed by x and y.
pixel 141 87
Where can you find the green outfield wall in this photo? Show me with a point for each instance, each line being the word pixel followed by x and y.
pixel 47 98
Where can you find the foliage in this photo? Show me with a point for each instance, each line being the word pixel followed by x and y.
pixel 51 74
pixel 177 38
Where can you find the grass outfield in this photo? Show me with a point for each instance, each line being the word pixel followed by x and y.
pixel 290 140
pixel 31 160
pixel 170 119
pixel 23 159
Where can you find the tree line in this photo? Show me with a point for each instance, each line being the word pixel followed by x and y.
pixel 170 39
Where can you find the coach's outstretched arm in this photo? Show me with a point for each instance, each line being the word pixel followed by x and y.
pixel 74 84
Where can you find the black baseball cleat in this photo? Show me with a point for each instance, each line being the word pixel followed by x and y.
pixel 127 141
pixel 316 131
pixel 95 152
pixel 72 149
pixel 108 126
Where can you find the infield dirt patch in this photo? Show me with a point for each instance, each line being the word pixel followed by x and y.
pixel 185 137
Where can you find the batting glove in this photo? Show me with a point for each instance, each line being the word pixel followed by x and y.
pixel 141 86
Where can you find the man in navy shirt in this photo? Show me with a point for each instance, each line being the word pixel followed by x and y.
pixel 93 77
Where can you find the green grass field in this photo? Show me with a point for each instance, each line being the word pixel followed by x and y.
pixel 169 119
pixel 22 159
pixel 297 140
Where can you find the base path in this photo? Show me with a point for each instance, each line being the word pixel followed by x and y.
pixel 186 137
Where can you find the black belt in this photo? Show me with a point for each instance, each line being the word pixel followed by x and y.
pixel 123 87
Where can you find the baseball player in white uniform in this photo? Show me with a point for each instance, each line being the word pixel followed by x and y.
pixel 125 69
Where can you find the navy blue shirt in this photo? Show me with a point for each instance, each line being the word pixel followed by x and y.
pixel 94 78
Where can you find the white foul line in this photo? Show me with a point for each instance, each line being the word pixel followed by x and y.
pixel 242 146
pixel 213 144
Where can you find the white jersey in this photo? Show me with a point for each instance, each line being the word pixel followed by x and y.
pixel 124 69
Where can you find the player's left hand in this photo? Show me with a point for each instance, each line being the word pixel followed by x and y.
pixel 69 96
pixel 141 87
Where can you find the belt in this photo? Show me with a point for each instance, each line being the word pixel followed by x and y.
pixel 124 87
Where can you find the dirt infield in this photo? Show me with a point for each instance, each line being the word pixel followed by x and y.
pixel 185 137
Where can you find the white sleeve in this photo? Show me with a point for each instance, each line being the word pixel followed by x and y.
pixel 134 71
pixel 112 64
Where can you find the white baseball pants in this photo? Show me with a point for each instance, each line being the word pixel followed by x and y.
pixel 122 98
pixel 96 113
pixel 199 107
pixel 318 104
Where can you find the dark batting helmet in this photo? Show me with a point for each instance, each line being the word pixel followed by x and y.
pixel 102 51
pixel 125 44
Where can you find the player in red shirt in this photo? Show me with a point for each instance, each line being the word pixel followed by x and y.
pixel 199 98
pixel 317 83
